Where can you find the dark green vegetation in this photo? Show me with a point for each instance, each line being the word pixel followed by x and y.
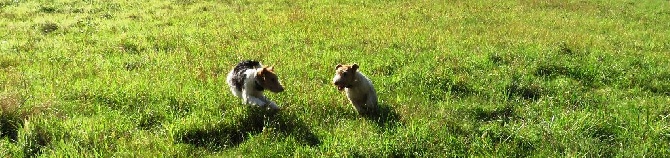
pixel 456 78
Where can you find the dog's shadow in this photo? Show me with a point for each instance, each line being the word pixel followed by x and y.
pixel 226 135
pixel 385 117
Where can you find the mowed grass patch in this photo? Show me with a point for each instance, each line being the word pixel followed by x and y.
pixel 486 78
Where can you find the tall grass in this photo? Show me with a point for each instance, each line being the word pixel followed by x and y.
pixel 455 78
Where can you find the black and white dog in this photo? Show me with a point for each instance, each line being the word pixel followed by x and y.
pixel 249 79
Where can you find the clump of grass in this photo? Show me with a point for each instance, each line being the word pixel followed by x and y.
pixel 47 27
pixel 10 117
pixel 564 48
pixel 528 91
pixel 15 124
pixel 185 2
pixel 665 135
pixel 10 123
pixel 48 9
pixel 107 15
pixel 151 120
pixel 4 4
pixel 35 138
pixel 461 88
pixel 659 84
pixel 508 142
pixel 130 66
pixel 439 87
pixel 8 62
pixel 605 134
pixel 584 75
pixel 503 114
pixel 130 47
pixel 386 69
pixel 554 70
pixel 166 43
pixel 500 58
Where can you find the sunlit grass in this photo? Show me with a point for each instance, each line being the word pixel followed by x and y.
pixel 456 79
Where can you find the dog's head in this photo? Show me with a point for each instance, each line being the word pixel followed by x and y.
pixel 267 79
pixel 345 76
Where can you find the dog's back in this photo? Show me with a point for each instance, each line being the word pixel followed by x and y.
pixel 363 95
pixel 238 75
pixel 248 79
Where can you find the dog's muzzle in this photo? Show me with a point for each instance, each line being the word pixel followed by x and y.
pixel 341 87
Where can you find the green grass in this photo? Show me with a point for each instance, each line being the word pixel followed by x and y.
pixel 454 78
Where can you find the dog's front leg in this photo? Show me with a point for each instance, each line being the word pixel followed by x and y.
pixel 254 101
pixel 271 104
pixel 250 99
pixel 359 105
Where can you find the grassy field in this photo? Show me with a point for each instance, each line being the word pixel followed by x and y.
pixel 519 78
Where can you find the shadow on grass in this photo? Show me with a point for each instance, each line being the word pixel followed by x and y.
pixel 36 140
pixel 577 73
pixel 9 126
pixel 11 120
pixel 385 117
pixel 439 87
pixel 225 135
pixel 290 125
pixel 659 84
pixel 504 114
pixel 527 91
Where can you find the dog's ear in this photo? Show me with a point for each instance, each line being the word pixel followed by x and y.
pixel 261 72
pixel 338 66
pixel 355 67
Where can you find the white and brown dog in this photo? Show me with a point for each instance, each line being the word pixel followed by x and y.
pixel 359 88
pixel 249 79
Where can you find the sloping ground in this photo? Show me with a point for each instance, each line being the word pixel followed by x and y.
pixel 484 78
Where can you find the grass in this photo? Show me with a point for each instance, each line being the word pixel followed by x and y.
pixel 454 78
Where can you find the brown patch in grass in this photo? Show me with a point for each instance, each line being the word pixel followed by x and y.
pixel 9 102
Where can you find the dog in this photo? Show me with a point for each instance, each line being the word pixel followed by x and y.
pixel 359 89
pixel 249 79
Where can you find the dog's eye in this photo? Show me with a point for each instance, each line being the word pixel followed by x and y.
pixel 344 74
